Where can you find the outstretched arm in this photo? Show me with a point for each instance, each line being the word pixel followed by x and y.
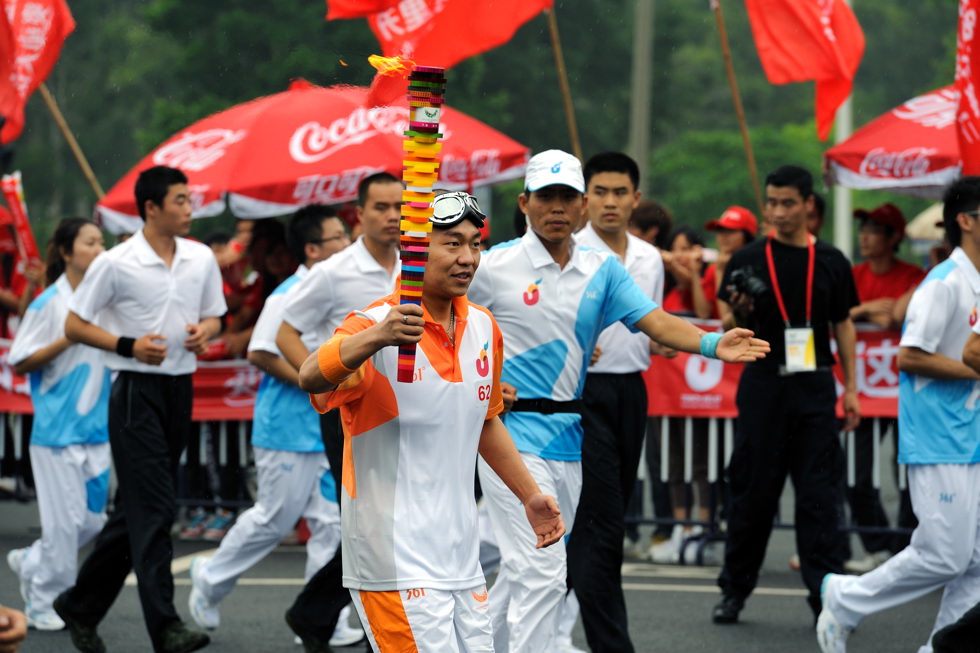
pixel 736 345
pixel 498 450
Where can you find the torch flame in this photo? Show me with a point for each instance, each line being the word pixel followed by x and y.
pixel 391 66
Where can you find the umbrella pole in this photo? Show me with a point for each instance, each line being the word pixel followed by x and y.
pixel 72 143
pixel 726 54
pixel 566 92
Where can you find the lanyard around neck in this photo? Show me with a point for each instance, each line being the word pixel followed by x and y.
pixel 811 256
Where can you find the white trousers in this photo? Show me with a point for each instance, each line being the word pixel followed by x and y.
pixel 72 484
pixel 426 620
pixel 289 488
pixel 527 597
pixel 945 551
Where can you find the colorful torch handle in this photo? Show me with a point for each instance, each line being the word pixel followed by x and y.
pixel 426 90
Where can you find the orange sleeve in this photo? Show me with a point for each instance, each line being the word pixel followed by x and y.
pixel 496 398
pixel 354 386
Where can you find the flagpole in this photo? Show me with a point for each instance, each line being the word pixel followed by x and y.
pixel 843 217
pixel 726 54
pixel 563 82
pixel 641 88
pixel 72 143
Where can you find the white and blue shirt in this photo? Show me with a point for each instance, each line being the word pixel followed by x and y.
pixel 939 419
pixel 551 318
pixel 283 418
pixel 70 393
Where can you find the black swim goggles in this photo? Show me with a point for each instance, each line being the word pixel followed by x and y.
pixel 449 209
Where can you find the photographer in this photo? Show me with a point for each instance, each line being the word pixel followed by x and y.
pixel 790 289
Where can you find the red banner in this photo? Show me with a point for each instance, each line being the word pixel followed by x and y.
pixel 967 81
pixel 13 194
pixel 699 387
pixel 337 9
pixel 38 28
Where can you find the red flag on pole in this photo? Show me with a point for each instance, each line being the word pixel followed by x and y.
pixel 968 85
pixel 801 40
pixel 9 99
pixel 38 28
pixel 337 9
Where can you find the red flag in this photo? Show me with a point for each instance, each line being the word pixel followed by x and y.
pixel 337 9
pixel 967 83
pixel 444 32
pixel 801 40
pixel 38 28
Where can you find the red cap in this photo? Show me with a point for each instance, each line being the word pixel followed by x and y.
pixel 736 218
pixel 887 214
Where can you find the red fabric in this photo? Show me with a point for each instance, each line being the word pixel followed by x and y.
pixel 307 145
pixel 679 300
pixel 38 28
pixel 444 32
pixel 337 9
pixel 894 283
pixel 801 40
pixel 10 104
pixel 967 82
pixel 708 282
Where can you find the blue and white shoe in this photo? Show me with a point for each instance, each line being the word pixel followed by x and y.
pixel 15 560
pixel 831 634
pixel 203 612
pixel 44 620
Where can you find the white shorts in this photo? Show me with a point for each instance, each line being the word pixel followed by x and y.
pixel 426 620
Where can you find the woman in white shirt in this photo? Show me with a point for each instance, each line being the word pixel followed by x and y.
pixel 69 439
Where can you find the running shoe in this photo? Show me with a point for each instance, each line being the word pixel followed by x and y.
pixel 196 523
pixel 44 620
pixel 217 527
pixel 204 613
pixel 15 560
pixel 831 634
pixel 344 634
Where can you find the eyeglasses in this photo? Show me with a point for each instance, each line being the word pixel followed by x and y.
pixel 323 241
pixel 973 213
pixel 451 208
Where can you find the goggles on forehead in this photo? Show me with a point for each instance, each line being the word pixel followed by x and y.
pixel 449 209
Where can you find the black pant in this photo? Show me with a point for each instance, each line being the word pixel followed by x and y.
pixel 149 422
pixel 786 425
pixel 865 499
pixel 317 607
pixel 614 420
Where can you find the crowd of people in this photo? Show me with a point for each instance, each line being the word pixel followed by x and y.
pixel 527 377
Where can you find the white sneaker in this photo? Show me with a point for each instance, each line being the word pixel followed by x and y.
pixel 15 560
pixel 44 620
pixel 343 633
pixel 868 563
pixel 202 611
pixel 831 634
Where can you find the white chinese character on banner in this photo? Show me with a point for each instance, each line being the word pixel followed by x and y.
pixel 415 14
pixel 389 24
pixel 242 387
pixel 876 369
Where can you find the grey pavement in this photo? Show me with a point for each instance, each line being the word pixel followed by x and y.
pixel 669 606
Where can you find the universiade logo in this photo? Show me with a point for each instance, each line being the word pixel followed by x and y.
pixel 197 151
pixel 913 162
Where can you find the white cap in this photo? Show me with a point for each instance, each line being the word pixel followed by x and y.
pixel 554 167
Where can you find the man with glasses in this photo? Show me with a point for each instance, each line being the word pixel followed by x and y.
pixel 294 476
pixel 411 551
pixel 939 440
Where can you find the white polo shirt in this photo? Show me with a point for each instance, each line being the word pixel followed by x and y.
pixel 134 293
pixel 283 418
pixel 939 419
pixel 623 351
pixel 71 393
pixel 347 281
pixel 408 514
pixel 551 319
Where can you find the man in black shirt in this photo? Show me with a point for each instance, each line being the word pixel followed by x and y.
pixel 791 289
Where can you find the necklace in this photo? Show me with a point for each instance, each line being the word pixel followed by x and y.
pixel 452 326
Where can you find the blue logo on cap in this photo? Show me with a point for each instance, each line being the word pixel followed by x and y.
pixel 556 168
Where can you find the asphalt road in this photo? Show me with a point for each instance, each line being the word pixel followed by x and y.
pixel 669 606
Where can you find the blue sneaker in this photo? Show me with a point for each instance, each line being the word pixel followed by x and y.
pixel 217 527
pixel 196 523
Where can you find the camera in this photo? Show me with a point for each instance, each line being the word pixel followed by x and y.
pixel 745 282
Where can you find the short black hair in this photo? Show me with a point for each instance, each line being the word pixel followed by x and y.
pixel 306 226
pixel 612 162
pixel 819 205
pixel 367 182
pixel 153 184
pixel 650 213
pixel 792 176
pixel 692 235
pixel 61 244
pixel 216 238
pixel 962 196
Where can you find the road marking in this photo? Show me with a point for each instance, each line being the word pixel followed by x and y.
pixel 181 564
pixel 709 589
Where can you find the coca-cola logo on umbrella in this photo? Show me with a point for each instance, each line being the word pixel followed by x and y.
pixel 196 151
pixel 912 162
pixel 936 110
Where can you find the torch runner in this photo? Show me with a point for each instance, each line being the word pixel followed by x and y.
pixel 426 90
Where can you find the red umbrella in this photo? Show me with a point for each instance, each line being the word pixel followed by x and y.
pixel 307 145
pixel 912 149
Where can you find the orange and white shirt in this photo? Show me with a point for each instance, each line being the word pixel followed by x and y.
pixel 408 511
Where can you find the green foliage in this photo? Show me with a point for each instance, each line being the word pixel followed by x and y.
pixel 135 71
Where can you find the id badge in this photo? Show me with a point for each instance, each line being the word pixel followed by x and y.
pixel 801 354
